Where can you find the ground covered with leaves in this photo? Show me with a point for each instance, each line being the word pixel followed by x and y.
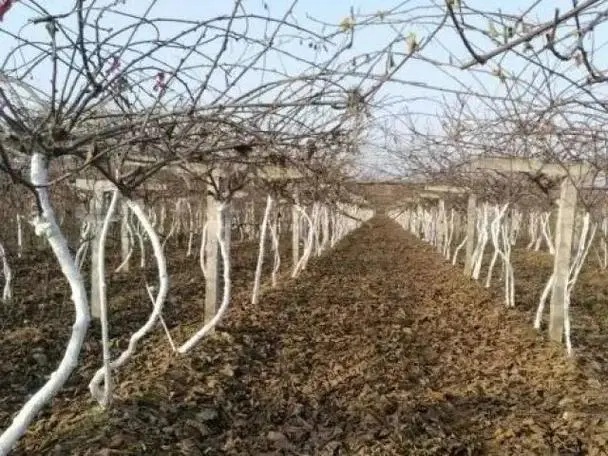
pixel 380 347
pixel 588 309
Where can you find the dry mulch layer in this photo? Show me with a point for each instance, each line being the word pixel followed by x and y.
pixel 379 348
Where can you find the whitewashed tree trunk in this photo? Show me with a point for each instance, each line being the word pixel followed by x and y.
pixel 316 212
pixel 458 249
pixel 516 222
pixel 81 253
pixel 495 235
pixel 162 219
pixel 509 276
pixel 45 225
pixel 19 237
pixel 546 231
pixel 191 228
pixel 483 240
pixel 225 255
pixel 470 236
pixel 447 248
pixel 250 220
pixel 325 229
pixel 150 291
pixel 95 214
pixel 274 233
pixel 104 397
pixel 125 224
pixel 584 242
pixel 174 223
pixel 163 289
pixel 7 292
pixel 255 295
pixel 603 255
pixel 308 246
pixel 334 229
pixel 142 245
pixel 532 230
pixel 295 234
pixel 178 218
pixel 543 300
pixel 126 238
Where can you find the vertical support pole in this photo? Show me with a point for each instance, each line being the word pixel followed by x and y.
pixel 295 232
pixel 212 279
pixel 561 265
pixel 325 226
pixel 124 234
pixel 471 214
pixel 245 221
pixel 227 229
pixel 96 217
pixel 160 224
pixel 251 225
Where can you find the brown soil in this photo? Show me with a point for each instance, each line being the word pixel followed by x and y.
pixel 381 347
pixel 589 314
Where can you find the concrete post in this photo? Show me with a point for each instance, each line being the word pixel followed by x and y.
pixel 561 266
pixel 212 261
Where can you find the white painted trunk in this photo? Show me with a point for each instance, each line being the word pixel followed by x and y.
pixel 482 242
pixel 308 246
pixel 46 225
pixel 130 240
pixel 225 254
pixel 150 291
pixel 163 279
pixel 104 397
pixel 274 233
pixel 174 223
pixel 81 253
pixel 255 295
pixel 458 249
pixel 19 237
pixel 7 292
pixel 191 228
pixel 584 242
pixel 543 300
pixel 126 239
pixel 509 276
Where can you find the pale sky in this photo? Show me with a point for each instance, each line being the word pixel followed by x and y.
pixel 417 81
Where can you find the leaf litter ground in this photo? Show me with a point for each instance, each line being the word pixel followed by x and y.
pixel 380 347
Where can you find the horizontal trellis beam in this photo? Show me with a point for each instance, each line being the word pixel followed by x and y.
pixel 268 172
pixel 429 195
pixel 445 189
pixel 104 185
pixel 530 165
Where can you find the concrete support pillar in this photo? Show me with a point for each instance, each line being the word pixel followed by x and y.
pixel 250 223
pixel 212 261
pixel 227 228
pixel 561 266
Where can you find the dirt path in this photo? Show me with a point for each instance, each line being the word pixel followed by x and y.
pixel 380 348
